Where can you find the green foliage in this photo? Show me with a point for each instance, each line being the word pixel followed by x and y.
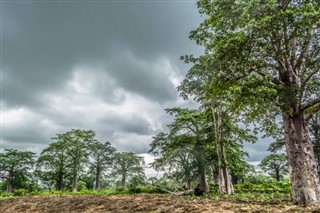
pixel 126 165
pixel 275 187
pixel 54 164
pixel 101 157
pixel 15 166
pixel 20 192
pixel 275 164
pixel 67 156
pixel 81 186
pixel 148 190
pixel 6 195
pixel 259 178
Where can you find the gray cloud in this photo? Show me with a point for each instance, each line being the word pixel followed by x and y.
pixel 258 150
pixel 43 41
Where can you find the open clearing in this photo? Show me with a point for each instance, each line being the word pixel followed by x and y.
pixel 139 203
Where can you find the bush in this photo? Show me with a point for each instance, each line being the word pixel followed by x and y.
pixel 6 195
pixel 213 188
pixel 20 192
pixel 280 187
pixel 81 186
pixel 148 190
pixel 120 189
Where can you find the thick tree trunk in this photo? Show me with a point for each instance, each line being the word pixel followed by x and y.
pixel 98 174
pixel 60 182
pixel 277 174
pixel 123 180
pixel 224 179
pixel 10 183
pixel 302 165
pixel 203 185
pixel 188 184
pixel 225 183
pixel 74 182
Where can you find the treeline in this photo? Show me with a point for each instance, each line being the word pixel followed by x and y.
pixel 187 156
pixel 72 156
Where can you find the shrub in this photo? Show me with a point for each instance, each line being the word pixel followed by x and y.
pixel 6 195
pixel 20 192
pixel 271 187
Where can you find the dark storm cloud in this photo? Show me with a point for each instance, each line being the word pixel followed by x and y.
pixel 43 41
pixel 143 77
pixel 123 123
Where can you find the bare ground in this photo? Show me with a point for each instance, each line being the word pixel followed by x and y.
pixel 138 203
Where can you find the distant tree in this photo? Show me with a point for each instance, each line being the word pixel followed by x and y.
pixel 275 164
pixel 13 164
pixel 137 181
pixel 177 162
pixel 126 165
pixel 54 163
pixel 77 144
pixel 101 156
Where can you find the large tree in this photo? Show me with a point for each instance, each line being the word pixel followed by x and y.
pixel 14 163
pixel 101 156
pixel 265 54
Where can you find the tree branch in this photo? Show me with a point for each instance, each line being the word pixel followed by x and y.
pixel 306 45
pixel 285 5
pixel 309 76
pixel 310 104
pixel 317 109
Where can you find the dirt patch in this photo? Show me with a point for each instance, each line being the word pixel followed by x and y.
pixel 136 203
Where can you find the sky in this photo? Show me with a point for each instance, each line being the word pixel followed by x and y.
pixel 108 66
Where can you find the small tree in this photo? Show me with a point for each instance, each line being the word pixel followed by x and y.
pixel 275 164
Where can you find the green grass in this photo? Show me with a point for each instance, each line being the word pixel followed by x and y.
pixel 114 191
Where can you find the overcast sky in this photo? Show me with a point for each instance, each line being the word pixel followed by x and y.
pixel 107 66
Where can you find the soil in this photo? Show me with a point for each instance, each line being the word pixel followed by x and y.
pixel 138 203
